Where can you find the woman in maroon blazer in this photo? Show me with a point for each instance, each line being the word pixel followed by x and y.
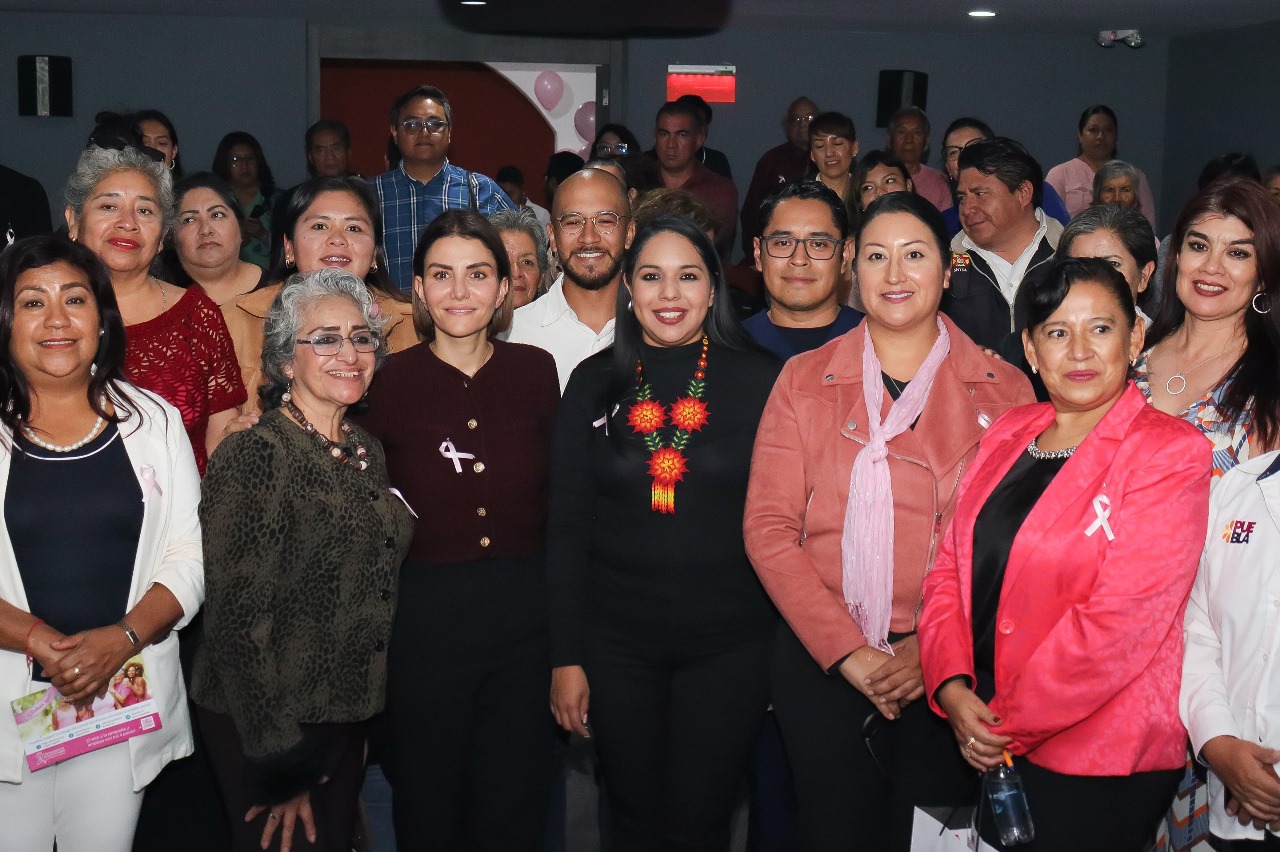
pixel 1052 623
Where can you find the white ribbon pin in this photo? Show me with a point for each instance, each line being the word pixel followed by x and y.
pixel 1101 507
pixel 449 451
pixel 147 474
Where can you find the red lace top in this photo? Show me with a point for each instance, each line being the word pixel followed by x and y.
pixel 185 355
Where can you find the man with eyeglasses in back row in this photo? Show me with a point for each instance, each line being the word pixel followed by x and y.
pixel 425 184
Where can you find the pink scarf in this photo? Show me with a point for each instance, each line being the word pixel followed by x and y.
pixel 866 544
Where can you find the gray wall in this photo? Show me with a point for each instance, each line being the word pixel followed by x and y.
pixel 210 75
pixel 1223 95
pixel 1030 87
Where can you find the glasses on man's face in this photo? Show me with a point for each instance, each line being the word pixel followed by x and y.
pixel 616 149
pixel 571 224
pixel 817 248
pixel 801 119
pixel 331 344
pixel 414 126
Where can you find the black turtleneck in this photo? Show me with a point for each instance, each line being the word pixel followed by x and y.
pixel 618 567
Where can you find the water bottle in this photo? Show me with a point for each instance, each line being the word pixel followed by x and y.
pixel 1009 804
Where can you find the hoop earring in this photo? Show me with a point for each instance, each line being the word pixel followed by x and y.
pixel 374 268
pixel 628 304
pixel 288 263
pixel 1034 370
pixel 1254 303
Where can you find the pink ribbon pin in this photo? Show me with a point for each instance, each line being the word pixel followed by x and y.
pixel 149 485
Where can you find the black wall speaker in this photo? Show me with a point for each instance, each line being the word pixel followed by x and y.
pixel 900 89
pixel 44 85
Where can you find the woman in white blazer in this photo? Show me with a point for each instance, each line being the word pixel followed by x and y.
pixel 1229 672
pixel 100 556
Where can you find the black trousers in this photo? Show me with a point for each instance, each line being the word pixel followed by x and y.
pixel 470 733
pixel 333 803
pixel 674 722
pixel 1100 814
pixel 857 785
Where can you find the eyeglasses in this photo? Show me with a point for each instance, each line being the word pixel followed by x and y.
pixel 605 221
pixel 620 149
pixel 817 248
pixel 952 151
pixel 247 158
pixel 414 126
pixel 801 119
pixel 331 344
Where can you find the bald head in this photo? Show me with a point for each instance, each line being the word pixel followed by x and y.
pixel 590 191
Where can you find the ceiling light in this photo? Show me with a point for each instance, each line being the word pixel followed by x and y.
pixel 982 13
pixel 474 2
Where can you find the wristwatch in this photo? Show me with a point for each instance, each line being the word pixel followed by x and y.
pixel 131 633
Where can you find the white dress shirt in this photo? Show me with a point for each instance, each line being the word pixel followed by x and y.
pixel 549 323
pixel 1009 275
pixel 1230 682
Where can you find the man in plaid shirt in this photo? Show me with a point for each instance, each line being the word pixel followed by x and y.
pixel 425 184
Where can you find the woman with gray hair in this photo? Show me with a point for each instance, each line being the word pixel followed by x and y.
pixel 303 540
pixel 1117 182
pixel 525 240
pixel 120 207
pixel 1120 235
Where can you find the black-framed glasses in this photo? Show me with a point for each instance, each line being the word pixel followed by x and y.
pixel 951 151
pixel 801 119
pixel 784 246
pixel 331 344
pixel 606 221
pixel 617 149
pixel 414 126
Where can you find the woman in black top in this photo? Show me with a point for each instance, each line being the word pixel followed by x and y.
pixel 466 421
pixel 658 624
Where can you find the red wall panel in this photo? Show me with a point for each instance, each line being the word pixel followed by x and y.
pixel 494 124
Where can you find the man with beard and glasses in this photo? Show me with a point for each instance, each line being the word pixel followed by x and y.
pixel 591 228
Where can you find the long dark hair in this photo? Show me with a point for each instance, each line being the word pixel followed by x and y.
pixel 37 253
pixel 222 160
pixel 721 324
pixel 304 195
pixel 157 116
pixel 1252 385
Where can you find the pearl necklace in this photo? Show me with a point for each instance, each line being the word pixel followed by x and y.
pixel 1033 450
pixel 55 448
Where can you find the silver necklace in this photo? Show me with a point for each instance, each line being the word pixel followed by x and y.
pixel 164 300
pixel 56 448
pixel 1038 454
pixel 1168 385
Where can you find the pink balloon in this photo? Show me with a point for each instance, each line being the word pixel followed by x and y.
pixel 549 89
pixel 584 120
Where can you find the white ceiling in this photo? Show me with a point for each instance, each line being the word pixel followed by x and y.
pixel 598 17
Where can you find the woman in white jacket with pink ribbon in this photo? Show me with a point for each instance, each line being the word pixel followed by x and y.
pixel 100 557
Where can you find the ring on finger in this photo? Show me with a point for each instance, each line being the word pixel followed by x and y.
pixel 273 815
pixel 969 744
pixel 77 671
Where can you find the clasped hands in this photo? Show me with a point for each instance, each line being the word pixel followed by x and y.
pixel 889 681
pixel 80 666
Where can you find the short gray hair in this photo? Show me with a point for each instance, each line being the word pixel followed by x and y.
pixel 1110 171
pixel 96 163
pixel 284 323
pixel 524 220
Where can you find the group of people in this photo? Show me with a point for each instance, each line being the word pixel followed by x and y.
pixel 841 556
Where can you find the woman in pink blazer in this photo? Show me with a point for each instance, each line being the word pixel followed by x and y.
pixel 1052 622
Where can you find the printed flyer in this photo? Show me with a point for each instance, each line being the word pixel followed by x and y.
pixel 54 730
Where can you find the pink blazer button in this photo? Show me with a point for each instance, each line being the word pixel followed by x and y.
pixel 1006 627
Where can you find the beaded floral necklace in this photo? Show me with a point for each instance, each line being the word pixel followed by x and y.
pixel 667 463
pixel 340 452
